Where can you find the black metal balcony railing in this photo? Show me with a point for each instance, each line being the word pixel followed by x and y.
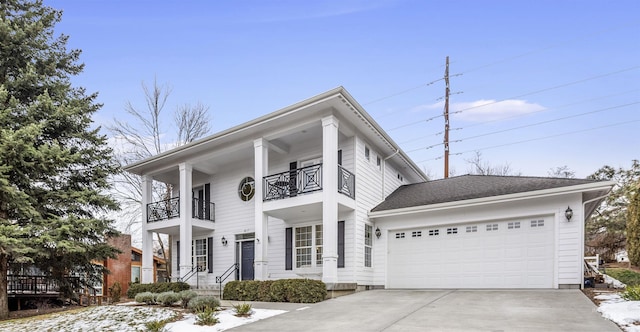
pixel 292 183
pixel 346 182
pixel 203 210
pixel 164 209
pixel 170 208
pixel 305 180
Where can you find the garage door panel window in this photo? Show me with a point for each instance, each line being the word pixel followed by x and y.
pixel 452 230
pixel 472 229
pixel 492 227
pixel 416 234
pixel 537 223
pixel 513 225
pixel 400 235
pixel 434 232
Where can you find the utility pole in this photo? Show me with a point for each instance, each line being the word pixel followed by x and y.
pixel 446 120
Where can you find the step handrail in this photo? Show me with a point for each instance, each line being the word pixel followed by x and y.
pixel 194 271
pixel 225 275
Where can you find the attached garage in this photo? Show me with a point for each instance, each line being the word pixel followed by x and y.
pixel 504 254
pixel 485 232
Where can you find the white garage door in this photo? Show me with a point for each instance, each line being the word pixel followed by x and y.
pixel 506 254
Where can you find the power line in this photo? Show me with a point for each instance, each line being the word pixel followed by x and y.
pixel 520 96
pixel 548 109
pixel 490 64
pixel 526 126
pixel 538 139
pixel 550 88
pixel 547 121
pixel 511 117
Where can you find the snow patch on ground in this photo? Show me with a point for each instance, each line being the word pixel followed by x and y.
pixel 624 313
pixel 128 318
pixel 102 318
pixel 227 320
pixel 615 283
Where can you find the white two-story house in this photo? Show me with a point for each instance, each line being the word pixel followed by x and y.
pixel 319 190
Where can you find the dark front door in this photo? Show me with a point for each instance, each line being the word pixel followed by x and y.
pixel 246 263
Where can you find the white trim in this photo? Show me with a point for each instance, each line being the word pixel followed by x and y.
pixel 494 199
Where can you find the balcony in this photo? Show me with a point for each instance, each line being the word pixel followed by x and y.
pixel 305 180
pixel 170 208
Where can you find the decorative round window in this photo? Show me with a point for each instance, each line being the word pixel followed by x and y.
pixel 246 189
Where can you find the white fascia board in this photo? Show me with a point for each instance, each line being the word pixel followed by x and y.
pixel 605 185
pixel 237 130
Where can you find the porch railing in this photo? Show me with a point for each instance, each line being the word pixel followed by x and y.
pixel 346 182
pixel 203 210
pixel 305 180
pixel 164 209
pixel 170 208
pixel 34 284
pixel 292 183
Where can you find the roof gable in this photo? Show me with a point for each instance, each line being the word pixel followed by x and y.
pixel 468 187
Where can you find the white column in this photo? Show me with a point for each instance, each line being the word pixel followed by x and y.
pixel 329 199
pixel 147 236
pixel 185 219
pixel 261 148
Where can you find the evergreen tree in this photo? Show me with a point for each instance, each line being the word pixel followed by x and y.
pixel 54 168
pixel 605 230
pixel 633 227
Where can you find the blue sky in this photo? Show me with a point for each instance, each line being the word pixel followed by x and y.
pixel 536 84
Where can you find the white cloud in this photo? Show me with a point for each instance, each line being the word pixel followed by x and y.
pixel 490 110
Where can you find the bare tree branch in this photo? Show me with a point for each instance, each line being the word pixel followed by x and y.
pixel 143 137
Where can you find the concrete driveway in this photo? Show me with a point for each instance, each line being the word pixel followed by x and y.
pixel 440 310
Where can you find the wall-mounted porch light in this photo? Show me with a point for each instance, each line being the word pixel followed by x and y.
pixel 224 241
pixel 568 213
pixel 378 232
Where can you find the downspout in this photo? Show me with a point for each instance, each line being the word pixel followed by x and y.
pixel 584 220
pixel 384 166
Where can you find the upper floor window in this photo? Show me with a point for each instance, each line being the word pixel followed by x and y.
pixel 367 153
pixel 246 189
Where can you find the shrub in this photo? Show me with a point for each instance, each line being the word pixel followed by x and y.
pixel 200 303
pixel 186 296
pixel 632 293
pixel 115 292
pixel 167 299
pixel 159 287
pixel 156 325
pixel 242 310
pixel 283 290
pixel 145 297
pixel 207 317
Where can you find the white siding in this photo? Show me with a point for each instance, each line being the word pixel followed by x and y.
pixel 567 252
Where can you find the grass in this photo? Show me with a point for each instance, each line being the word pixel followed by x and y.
pixel 629 277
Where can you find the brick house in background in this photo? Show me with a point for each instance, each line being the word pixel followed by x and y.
pixel 125 268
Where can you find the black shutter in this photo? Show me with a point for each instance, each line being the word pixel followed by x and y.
pixel 340 243
pixel 293 179
pixel 207 202
pixel 178 252
pixel 340 157
pixel 288 248
pixel 210 254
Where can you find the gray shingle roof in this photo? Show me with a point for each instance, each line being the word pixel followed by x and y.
pixel 469 187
